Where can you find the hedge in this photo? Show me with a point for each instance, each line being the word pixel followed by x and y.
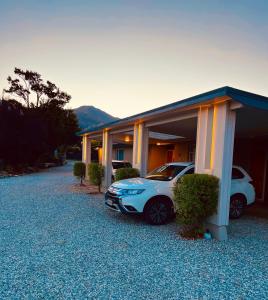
pixel 125 173
pixel 95 173
pixel 79 170
pixel 196 198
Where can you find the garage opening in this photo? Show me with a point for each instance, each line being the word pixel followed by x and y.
pixel 251 152
pixel 173 141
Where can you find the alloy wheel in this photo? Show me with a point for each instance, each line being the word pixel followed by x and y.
pixel 236 208
pixel 158 213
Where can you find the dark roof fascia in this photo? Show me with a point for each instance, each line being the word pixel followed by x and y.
pixel 248 99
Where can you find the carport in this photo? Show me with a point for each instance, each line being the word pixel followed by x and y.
pixel 213 122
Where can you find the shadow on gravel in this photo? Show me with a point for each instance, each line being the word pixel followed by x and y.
pixel 132 219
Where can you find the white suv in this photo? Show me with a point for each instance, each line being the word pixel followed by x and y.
pixel 152 195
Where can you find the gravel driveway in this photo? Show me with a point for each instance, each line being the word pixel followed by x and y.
pixel 57 244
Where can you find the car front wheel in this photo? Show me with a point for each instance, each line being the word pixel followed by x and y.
pixel 157 212
pixel 237 206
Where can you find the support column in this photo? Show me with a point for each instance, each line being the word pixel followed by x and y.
pixel 215 143
pixel 86 152
pixel 204 139
pixel 140 148
pixel 107 146
pixel 135 146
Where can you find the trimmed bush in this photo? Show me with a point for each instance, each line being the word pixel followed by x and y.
pixel 95 173
pixel 79 171
pixel 196 198
pixel 125 173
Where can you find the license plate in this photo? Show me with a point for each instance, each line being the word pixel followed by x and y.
pixel 109 202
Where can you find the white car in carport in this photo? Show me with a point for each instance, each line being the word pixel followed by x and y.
pixel 152 196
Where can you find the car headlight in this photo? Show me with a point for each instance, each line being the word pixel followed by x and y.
pixel 113 189
pixel 127 192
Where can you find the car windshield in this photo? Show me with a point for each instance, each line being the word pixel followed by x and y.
pixel 165 173
pixel 119 165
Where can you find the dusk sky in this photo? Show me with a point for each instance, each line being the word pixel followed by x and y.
pixel 126 57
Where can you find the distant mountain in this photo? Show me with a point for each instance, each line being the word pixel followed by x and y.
pixel 90 116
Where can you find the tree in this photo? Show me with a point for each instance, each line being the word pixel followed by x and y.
pixel 79 171
pixel 21 134
pixel 95 173
pixel 29 88
pixel 34 121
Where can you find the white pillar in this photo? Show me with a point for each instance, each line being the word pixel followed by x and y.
pixel 107 146
pixel 204 139
pixel 86 152
pixel 214 155
pixel 140 148
pixel 135 146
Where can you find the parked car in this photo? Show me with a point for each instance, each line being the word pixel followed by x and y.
pixel 118 164
pixel 152 195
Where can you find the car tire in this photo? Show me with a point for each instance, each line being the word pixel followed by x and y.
pixel 237 206
pixel 157 212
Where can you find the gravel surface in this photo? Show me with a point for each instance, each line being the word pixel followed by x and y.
pixel 57 244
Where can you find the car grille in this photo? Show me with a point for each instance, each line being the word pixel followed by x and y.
pixel 113 197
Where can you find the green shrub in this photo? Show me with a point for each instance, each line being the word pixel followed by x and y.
pixel 79 170
pixel 196 198
pixel 125 173
pixel 95 173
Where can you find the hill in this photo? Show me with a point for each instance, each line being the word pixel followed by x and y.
pixel 89 116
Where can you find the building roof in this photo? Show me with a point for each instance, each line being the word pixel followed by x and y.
pixel 243 97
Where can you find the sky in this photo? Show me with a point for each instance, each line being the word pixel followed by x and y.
pixel 126 57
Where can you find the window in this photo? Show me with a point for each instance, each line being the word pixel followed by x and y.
pixel 237 174
pixel 120 154
pixel 190 171
pixel 165 172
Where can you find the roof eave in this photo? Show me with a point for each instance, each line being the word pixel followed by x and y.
pixel 245 98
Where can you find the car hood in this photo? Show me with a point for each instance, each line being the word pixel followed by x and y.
pixel 136 183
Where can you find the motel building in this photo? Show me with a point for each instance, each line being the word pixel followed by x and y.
pixel 215 130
